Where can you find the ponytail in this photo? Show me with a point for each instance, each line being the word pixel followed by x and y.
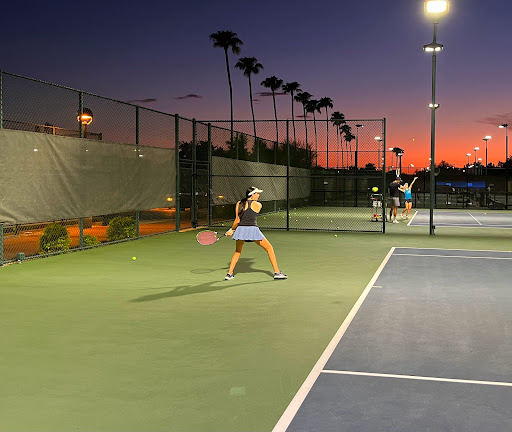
pixel 241 203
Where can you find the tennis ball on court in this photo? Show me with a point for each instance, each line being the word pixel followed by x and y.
pixel 335 235
pixel 134 258
pixel 337 227
pixel 375 189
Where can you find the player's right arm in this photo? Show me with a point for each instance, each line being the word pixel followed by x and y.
pixel 235 223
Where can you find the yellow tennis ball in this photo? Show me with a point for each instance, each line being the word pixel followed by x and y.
pixel 134 258
pixel 375 189
pixel 335 235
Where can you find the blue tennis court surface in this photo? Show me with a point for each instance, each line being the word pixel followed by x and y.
pixel 463 219
pixel 427 347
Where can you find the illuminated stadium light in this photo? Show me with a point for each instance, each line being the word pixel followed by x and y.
pixel 436 9
pixel 435 106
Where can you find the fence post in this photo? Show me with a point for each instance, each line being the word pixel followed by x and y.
pixel 287 176
pixel 80 112
pixel 81 235
pixel 177 214
pixel 1 244
pixel 194 175
pixel 210 172
pixel 137 223
pixel 137 153
pixel 383 176
pixel 1 101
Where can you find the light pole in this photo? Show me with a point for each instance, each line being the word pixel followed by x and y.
pixel 435 10
pixel 391 150
pixel 357 149
pixel 505 125
pixel 379 140
pixel 487 138
pixel 467 183
pixel 476 149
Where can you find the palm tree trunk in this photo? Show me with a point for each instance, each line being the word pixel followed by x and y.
pixel 293 122
pixel 316 142
pixel 342 152
pixel 305 124
pixel 277 132
pixel 230 92
pixel 327 118
pixel 256 147
pixel 337 147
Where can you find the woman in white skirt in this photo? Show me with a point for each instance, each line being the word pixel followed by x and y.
pixel 245 229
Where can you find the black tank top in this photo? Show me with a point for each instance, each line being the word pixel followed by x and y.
pixel 249 216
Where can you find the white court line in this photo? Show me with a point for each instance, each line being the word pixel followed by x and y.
pixel 464 226
pixel 410 222
pixel 455 256
pixel 475 219
pixel 422 378
pixel 447 249
pixel 299 398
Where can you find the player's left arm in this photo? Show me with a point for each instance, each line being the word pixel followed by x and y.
pixel 415 178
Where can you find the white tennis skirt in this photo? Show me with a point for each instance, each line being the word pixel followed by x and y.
pixel 248 233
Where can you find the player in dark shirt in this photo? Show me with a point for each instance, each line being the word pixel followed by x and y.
pixel 394 193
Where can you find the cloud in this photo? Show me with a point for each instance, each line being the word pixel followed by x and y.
pixel 497 119
pixel 301 116
pixel 256 100
pixel 189 96
pixel 266 94
pixel 142 100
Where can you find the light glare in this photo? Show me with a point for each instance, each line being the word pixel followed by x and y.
pixel 436 7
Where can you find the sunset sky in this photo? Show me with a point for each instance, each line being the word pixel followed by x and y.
pixel 365 55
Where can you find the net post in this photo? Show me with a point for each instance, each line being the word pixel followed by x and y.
pixel 210 172
pixel 287 175
pixel 80 112
pixel 194 174
pixel 384 176
pixel 81 233
pixel 177 164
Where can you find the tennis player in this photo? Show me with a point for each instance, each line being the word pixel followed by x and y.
pixel 406 189
pixel 245 229
pixel 394 194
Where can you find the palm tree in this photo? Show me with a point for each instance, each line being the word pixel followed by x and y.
pixel 291 88
pixel 312 107
pixel 344 130
pixel 337 120
pixel 326 102
pixel 226 39
pixel 273 83
pixel 249 66
pixel 303 98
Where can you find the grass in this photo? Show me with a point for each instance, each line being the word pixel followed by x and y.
pixel 95 341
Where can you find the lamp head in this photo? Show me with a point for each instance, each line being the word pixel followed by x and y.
pixel 434 106
pixel 435 9
pixel 476 148
pixel 86 117
pixel 468 154
pixel 488 137
pixel 505 125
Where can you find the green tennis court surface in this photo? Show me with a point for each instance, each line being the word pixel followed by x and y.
pixel 95 341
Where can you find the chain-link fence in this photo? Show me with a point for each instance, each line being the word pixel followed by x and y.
pixel 325 175
pixel 80 170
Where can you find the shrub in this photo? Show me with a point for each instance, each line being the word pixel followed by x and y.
pixel 121 228
pixel 55 238
pixel 90 240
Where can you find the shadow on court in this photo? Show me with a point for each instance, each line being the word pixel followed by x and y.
pixel 244 265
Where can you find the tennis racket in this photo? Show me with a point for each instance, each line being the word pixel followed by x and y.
pixel 206 238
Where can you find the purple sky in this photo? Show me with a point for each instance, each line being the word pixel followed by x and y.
pixel 366 55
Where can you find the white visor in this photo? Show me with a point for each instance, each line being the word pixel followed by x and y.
pixel 255 190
